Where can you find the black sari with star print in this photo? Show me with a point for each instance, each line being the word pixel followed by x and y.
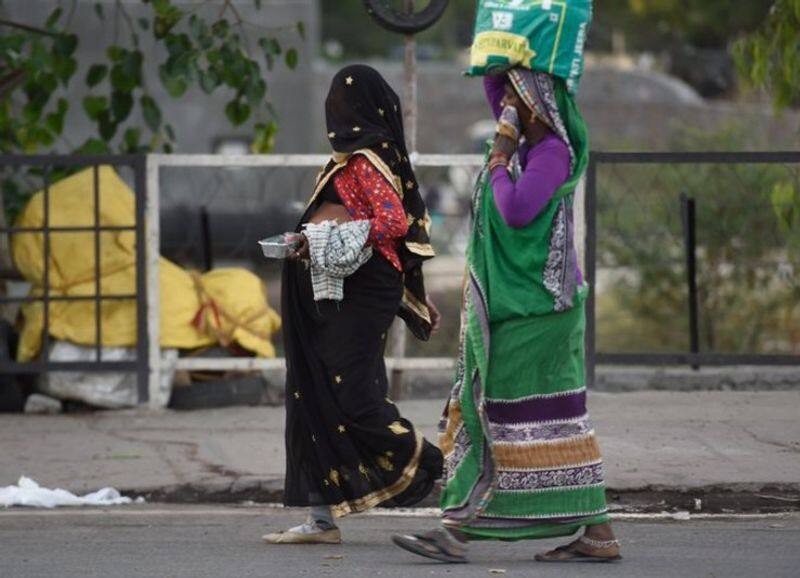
pixel 346 442
pixel 363 112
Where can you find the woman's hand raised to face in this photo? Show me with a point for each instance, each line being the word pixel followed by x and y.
pixel 508 132
pixel 504 146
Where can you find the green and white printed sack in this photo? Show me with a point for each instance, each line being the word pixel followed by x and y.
pixel 543 35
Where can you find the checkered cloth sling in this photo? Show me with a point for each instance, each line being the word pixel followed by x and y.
pixel 336 251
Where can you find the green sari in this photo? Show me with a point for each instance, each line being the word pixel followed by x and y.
pixel 521 457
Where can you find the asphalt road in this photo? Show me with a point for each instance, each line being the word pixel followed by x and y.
pixel 200 542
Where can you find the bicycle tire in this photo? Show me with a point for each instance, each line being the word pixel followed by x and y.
pixel 404 23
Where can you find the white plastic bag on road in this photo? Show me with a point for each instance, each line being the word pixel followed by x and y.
pixel 29 493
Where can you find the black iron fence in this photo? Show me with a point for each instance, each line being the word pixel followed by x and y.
pixel 43 168
pixel 693 259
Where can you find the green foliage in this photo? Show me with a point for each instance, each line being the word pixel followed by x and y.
pixel 748 248
pixel 265 138
pixel 96 74
pixel 704 23
pixel 37 65
pixel 770 57
pixel 785 197
pixel 237 112
pixel 208 53
pixel 95 106
pixel 271 48
pixel 151 113
pixel 291 58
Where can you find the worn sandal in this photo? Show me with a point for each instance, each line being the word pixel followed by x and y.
pixel 435 545
pixel 576 555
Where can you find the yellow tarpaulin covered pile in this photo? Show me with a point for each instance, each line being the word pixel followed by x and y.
pixel 222 306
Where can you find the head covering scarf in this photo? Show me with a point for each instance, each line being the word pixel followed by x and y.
pixel 364 116
pixel 537 90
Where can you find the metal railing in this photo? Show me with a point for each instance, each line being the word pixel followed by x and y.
pixel 155 164
pixel 147 176
pixel 595 193
pixel 45 164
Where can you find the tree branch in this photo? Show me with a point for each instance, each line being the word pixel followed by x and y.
pixel 10 81
pixel 26 28
pixel 129 21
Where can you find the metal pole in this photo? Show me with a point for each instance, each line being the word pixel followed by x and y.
pixel 46 264
pixel 410 125
pixel 690 246
pixel 98 307
pixel 142 295
pixel 410 82
pixel 205 231
pixel 153 240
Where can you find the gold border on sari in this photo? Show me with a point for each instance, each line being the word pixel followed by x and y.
pixel 415 305
pixel 455 420
pixel 424 249
pixel 322 181
pixel 341 161
pixel 379 496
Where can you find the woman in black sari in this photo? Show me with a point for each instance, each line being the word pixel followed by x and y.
pixel 348 448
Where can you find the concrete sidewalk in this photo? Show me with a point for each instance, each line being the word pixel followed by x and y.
pixel 657 445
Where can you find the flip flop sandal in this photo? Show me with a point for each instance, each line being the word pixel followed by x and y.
pixel 576 556
pixel 429 547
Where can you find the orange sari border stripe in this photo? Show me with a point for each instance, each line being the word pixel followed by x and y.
pixel 559 454
pixel 454 421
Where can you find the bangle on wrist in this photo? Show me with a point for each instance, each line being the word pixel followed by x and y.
pixel 507 130
pixel 497 160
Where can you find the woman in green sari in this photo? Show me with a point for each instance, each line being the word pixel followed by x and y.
pixel 521 458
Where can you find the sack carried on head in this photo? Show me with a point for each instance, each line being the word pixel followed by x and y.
pixel 543 35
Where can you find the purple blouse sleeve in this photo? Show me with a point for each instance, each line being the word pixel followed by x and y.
pixel 495 87
pixel 547 169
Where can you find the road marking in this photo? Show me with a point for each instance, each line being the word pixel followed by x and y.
pixel 618 516
pixel 253 509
